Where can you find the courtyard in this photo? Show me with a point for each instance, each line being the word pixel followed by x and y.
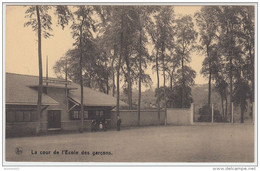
pixel 197 143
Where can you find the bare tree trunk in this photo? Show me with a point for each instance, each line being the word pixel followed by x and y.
pixel 107 84
pixel 129 84
pixel 252 82
pixel 209 94
pixel 81 79
pixel 231 86
pixel 183 82
pixel 119 65
pixel 226 108
pixel 140 76
pixel 158 81
pixel 164 87
pixel 209 90
pixel 222 107
pixel 231 75
pixel 113 72
pixel 171 81
pixel 39 102
pixel 242 113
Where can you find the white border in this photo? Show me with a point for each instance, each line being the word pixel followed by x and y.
pixel 135 2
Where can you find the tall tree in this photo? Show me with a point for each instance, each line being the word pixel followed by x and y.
pixel 82 28
pixel 229 35
pixel 155 57
pixel 185 43
pixel 206 20
pixel 41 22
pixel 162 33
pixel 248 38
pixel 144 20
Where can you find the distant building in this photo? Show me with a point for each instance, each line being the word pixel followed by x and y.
pixel 60 112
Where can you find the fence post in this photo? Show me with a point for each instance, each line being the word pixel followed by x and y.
pixel 192 113
pixel 232 112
pixel 212 113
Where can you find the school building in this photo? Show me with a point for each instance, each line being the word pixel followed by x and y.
pixel 60 105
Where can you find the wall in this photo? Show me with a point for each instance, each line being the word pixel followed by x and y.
pixel 175 116
pixel 58 95
pixel 130 118
pixel 17 129
pixel 178 116
pixel 22 128
pixel 75 125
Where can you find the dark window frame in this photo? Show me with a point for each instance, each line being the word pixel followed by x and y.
pixel 78 113
pixel 24 112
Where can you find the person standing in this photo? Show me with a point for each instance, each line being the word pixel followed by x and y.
pixel 118 123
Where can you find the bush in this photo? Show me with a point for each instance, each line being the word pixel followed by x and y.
pixel 205 114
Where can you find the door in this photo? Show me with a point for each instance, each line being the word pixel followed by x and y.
pixel 54 117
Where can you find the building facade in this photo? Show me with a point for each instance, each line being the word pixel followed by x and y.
pixel 60 105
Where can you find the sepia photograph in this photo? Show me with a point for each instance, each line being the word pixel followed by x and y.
pixel 129 83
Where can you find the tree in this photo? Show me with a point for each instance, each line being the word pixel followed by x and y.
pixel 162 32
pixel 41 22
pixel 82 28
pixel 143 20
pixel 229 35
pixel 185 43
pixel 206 20
pixel 221 86
pixel 241 94
pixel 247 22
pixel 110 39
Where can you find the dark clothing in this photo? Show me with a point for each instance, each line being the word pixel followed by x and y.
pixel 118 124
pixel 93 126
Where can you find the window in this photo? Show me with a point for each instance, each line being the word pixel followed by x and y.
pixel 91 114
pixel 76 114
pixel 27 116
pixel 10 116
pixel 19 116
pixel 101 113
pixel 34 116
pixel 85 114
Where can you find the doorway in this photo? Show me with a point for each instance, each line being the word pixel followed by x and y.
pixel 54 119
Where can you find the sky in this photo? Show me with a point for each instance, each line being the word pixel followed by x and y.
pixel 21 54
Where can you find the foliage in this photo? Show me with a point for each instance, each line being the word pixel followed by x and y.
pixel 173 96
pixel 206 115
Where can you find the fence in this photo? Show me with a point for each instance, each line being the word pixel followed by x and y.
pixel 227 113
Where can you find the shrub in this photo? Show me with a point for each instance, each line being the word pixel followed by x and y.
pixel 205 114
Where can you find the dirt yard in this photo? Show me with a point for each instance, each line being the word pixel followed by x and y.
pixel 204 143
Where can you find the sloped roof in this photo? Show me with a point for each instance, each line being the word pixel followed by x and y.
pixel 93 97
pixel 18 90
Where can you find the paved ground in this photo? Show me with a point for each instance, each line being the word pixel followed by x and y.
pixel 206 143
